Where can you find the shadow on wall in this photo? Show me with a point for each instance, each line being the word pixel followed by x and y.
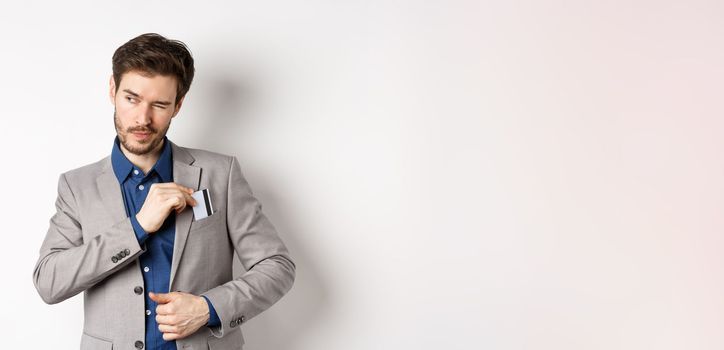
pixel 232 104
pixel 227 103
pixel 304 305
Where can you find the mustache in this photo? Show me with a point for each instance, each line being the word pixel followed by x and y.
pixel 148 130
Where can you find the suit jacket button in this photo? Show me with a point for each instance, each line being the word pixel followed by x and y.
pixel 138 290
pixel 138 344
pixel 233 323
pixel 127 252
pixel 241 320
pixel 114 259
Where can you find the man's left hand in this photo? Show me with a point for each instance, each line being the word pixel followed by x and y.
pixel 179 314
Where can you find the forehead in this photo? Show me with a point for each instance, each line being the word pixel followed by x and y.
pixel 149 86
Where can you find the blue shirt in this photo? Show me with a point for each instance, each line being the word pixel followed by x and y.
pixel 156 260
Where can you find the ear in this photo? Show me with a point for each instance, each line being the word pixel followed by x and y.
pixel 112 92
pixel 178 106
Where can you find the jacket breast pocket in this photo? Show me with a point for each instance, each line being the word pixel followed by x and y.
pixel 216 218
pixel 89 342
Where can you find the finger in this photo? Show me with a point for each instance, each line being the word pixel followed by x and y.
pixel 161 298
pixel 190 200
pixel 170 186
pixel 185 198
pixel 175 202
pixel 171 336
pixel 165 191
pixel 165 309
pixel 177 205
pixel 180 200
pixel 168 192
pixel 154 297
pixel 171 320
pixel 168 328
pixel 161 186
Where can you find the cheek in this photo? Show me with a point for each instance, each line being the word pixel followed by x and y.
pixel 122 116
pixel 162 118
pixel 123 108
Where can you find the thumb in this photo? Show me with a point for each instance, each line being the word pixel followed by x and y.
pixel 161 298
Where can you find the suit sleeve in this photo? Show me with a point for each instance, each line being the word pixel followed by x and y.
pixel 270 271
pixel 67 264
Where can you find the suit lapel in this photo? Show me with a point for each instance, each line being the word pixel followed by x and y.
pixel 187 175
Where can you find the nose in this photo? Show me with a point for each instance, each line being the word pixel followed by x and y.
pixel 145 114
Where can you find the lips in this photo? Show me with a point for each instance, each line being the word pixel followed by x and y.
pixel 141 135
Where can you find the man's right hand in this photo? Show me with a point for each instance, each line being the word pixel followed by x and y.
pixel 161 199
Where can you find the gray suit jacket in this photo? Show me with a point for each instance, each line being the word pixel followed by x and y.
pixel 90 227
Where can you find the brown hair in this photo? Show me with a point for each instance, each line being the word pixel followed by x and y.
pixel 154 54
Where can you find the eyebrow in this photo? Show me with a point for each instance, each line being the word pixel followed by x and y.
pixel 165 103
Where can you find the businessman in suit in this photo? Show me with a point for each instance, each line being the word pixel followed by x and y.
pixel 154 275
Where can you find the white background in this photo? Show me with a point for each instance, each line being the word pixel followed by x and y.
pixel 447 174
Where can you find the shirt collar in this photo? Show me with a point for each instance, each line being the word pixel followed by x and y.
pixel 122 166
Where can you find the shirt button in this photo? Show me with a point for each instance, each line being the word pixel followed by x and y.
pixel 148 312
pixel 146 269
pixel 135 172
pixel 140 187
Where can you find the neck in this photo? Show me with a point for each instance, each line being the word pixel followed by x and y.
pixel 145 161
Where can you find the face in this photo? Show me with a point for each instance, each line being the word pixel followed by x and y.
pixel 144 107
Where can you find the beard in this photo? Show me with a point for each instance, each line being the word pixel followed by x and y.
pixel 141 147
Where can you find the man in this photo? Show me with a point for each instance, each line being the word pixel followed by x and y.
pixel 156 274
